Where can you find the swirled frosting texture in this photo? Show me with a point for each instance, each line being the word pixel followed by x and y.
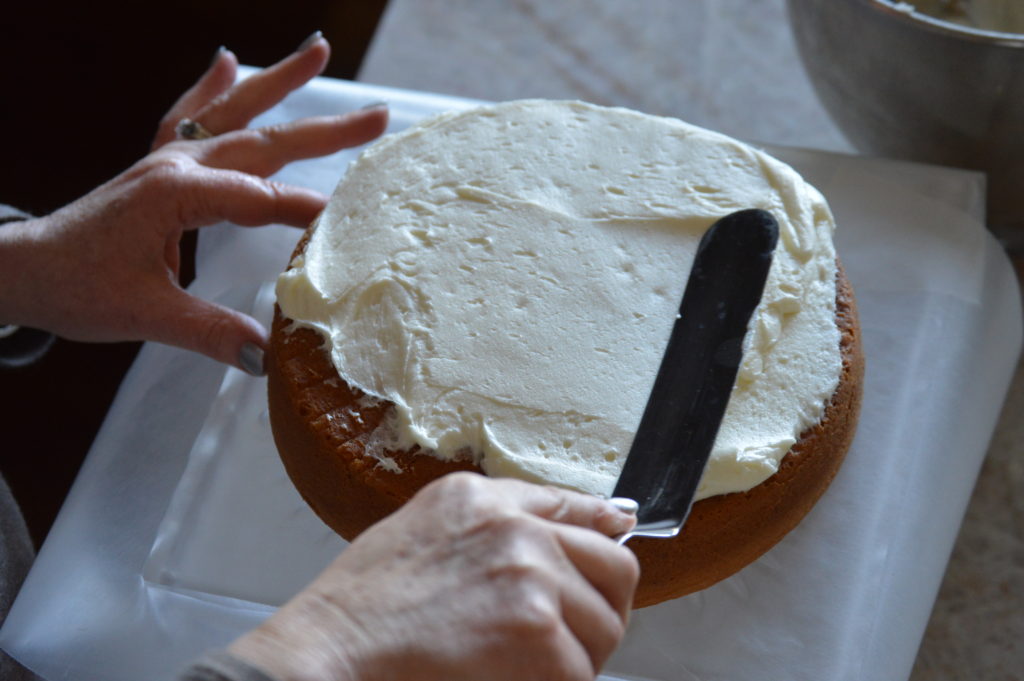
pixel 508 277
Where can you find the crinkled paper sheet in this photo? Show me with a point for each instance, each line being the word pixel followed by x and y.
pixel 182 530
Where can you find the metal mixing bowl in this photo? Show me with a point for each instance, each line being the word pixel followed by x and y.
pixel 905 85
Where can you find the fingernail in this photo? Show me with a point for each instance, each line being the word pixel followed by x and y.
pixel 216 55
pixel 625 505
pixel 308 42
pixel 250 359
pixel 379 104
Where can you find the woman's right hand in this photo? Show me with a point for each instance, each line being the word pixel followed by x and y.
pixel 473 578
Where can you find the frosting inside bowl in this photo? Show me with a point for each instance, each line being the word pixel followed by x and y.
pixel 509 276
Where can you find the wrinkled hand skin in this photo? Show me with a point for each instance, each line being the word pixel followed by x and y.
pixel 105 267
pixel 474 578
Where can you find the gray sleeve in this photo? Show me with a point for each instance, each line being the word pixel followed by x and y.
pixel 16 555
pixel 220 665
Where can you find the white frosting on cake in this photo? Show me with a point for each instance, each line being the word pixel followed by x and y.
pixel 509 276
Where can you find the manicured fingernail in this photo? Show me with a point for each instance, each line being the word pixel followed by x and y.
pixel 250 359
pixel 379 104
pixel 625 505
pixel 308 42
pixel 216 55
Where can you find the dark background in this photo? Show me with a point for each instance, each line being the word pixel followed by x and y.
pixel 83 87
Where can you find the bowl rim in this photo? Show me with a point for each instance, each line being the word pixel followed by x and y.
pixel 904 10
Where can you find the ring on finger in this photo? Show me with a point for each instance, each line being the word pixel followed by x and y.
pixel 188 129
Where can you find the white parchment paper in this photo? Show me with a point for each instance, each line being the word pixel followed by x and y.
pixel 182 530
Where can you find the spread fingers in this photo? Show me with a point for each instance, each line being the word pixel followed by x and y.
pixel 215 195
pixel 217 79
pixel 263 151
pixel 233 109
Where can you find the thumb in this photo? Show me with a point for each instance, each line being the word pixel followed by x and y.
pixel 573 508
pixel 210 329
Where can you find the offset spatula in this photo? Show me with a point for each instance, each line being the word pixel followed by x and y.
pixel 697 373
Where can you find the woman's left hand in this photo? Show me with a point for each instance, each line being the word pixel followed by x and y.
pixel 106 266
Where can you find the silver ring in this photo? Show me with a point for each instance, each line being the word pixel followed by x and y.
pixel 188 129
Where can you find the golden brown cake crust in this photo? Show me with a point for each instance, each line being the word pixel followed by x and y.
pixel 725 533
pixel 320 425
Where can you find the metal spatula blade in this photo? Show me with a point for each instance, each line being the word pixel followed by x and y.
pixel 698 371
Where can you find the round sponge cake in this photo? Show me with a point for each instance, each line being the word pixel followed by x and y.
pixel 324 431
pixel 504 278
